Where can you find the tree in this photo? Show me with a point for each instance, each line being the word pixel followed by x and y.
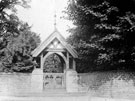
pixel 9 22
pixel 16 38
pixel 53 64
pixel 83 35
pixel 22 46
pixel 106 30
pixel 17 54
pixel 117 36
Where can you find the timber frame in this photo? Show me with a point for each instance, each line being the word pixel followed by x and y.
pixel 56 44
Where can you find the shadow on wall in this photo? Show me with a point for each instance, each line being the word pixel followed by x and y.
pixel 109 84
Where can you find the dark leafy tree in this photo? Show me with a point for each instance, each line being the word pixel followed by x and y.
pixel 22 46
pixel 106 30
pixel 16 39
pixel 83 35
pixel 117 36
pixel 53 64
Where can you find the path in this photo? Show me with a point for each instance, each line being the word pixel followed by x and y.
pixel 55 96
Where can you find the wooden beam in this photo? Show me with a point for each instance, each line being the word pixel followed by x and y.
pixel 41 61
pixel 74 64
pixel 55 50
pixel 67 61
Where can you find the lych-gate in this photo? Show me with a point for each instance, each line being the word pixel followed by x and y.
pixel 56 45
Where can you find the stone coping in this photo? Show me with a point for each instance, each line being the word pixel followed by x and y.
pixel 3 73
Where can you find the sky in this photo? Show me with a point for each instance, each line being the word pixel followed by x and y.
pixel 41 17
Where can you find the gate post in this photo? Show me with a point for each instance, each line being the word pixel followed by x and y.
pixel 71 81
pixel 37 80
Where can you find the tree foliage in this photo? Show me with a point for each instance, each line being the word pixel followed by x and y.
pixel 21 47
pixel 53 64
pixel 16 38
pixel 104 34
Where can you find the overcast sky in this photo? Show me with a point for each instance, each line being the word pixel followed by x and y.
pixel 41 17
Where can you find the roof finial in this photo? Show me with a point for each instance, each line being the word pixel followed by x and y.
pixel 55 16
pixel 55 23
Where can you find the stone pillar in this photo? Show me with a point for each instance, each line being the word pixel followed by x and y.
pixel 37 80
pixel 71 81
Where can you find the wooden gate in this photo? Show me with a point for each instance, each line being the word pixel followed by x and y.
pixel 53 80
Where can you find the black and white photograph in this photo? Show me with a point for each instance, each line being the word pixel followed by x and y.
pixel 67 50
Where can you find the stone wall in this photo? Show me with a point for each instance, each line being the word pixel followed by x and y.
pixel 10 83
pixel 98 84
pixel 109 84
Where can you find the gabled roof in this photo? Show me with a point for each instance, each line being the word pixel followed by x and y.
pixel 62 40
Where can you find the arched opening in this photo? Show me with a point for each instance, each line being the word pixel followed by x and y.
pixel 53 68
pixel 54 63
